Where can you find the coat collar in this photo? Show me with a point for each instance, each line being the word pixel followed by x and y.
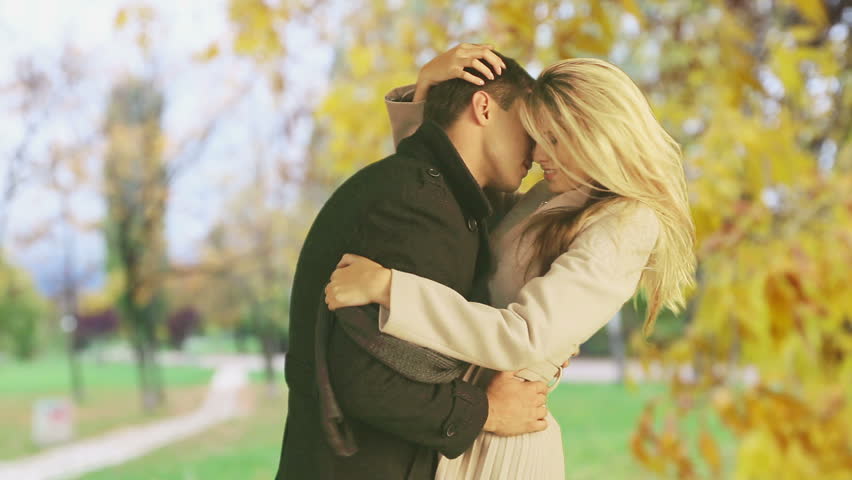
pixel 432 143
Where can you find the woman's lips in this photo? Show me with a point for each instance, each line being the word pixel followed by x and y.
pixel 549 173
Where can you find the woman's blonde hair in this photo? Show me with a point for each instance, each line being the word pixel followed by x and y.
pixel 589 113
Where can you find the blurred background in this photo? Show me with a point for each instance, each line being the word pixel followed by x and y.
pixel 161 162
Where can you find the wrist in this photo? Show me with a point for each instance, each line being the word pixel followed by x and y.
pixel 385 277
pixel 420 92
pixel 490 422
pixel 421 88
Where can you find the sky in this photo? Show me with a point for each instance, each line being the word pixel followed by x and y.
pixel 41 29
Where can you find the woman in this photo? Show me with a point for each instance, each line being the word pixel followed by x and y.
pixel 611 215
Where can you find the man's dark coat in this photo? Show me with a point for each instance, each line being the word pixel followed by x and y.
pixel 420 211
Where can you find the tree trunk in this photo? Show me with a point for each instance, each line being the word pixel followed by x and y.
pixel 141 367
pixel 150 401
pixel 269 349
pixel 154 370
pixel 75 372
pixel 145 363
pixel 70 300
pixel 615 333
pixel 266 339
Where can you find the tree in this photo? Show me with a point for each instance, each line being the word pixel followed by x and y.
pixel 768 205
pixel 66 165
pixel 20 306
pixel 135 181
pixel 32 89
pixel 39 95
pixel 255 249
pixel 22 311
pixel 64 171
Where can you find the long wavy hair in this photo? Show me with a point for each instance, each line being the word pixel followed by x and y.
pixel 589 113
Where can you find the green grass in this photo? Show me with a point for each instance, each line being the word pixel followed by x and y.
pixel 211 343
pixel 111 398
pixel 259 376
pixel 596 421
pixel 219 343
pixel 50 375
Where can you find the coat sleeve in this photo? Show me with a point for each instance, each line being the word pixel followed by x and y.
pixel 447 417
pixel 405 115
pixel 553 314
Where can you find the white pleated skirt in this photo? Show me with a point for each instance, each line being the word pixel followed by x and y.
pixel 532 456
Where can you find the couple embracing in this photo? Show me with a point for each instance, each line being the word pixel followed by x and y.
pixel 434 307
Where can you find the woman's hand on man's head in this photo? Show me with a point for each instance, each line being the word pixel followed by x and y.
pixel 452 63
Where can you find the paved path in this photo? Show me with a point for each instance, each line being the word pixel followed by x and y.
pixel 604 370
pixel 119 446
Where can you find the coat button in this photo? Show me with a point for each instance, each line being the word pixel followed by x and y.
pixel 471 224
pixel 451 430
pixel 434 172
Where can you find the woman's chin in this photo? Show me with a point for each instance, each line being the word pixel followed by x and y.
pixel 558 183
pixel 554 185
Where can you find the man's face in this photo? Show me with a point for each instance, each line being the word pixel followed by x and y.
pixel 508 149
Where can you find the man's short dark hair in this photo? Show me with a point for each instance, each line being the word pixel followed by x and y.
pixel 446 100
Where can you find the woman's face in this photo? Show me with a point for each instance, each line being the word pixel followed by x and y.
pixel 557 180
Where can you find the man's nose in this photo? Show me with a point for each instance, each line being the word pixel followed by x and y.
pixel 537 158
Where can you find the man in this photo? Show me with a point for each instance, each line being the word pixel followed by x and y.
pixel 421 210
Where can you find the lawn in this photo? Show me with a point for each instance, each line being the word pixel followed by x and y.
pixel 216 343
pixel 597 421
pixel 111 398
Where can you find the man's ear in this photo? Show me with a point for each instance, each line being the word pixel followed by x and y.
pixel 482 104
